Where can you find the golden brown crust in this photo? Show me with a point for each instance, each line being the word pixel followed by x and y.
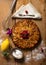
pixel 33 30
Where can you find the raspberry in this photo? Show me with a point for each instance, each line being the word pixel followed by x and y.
pixel 26 12
pixel 25 34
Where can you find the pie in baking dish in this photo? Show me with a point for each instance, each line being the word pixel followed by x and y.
pixel 25 34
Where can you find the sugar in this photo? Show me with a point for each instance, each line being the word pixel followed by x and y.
pixel 17 54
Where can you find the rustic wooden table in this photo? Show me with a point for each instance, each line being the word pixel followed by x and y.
pixel 4 10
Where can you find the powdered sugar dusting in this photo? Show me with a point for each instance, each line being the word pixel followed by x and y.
pixel 40 52
pixel 37 54
pixel 27 57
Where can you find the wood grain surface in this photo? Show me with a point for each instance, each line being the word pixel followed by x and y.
pixel 4 10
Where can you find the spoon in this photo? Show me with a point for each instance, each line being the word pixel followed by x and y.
pixel 6 23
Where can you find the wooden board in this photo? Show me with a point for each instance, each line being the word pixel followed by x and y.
pixel 4 10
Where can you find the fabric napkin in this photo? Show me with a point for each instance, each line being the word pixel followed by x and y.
pixel 27 11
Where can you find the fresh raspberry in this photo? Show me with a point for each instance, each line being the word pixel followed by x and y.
pixel 25 34
pixel 26 11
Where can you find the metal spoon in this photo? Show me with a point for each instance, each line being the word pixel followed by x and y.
pixel 6 21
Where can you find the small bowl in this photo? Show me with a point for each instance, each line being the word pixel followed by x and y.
pixel 17 53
